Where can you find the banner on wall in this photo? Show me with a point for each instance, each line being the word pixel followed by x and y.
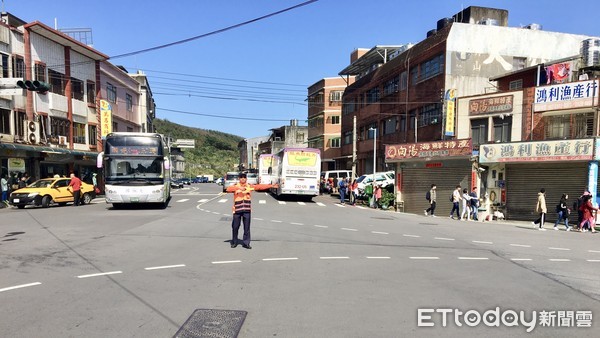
pixel 449 102
pixel 16 164
pixel 105 118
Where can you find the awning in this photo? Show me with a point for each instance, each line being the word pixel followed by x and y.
pixel 42 149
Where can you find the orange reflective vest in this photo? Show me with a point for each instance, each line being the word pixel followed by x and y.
pixel 242 198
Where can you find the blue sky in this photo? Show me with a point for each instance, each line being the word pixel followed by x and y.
pixel 255 77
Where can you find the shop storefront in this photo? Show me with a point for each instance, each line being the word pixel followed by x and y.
pixel 444 163
pixel 517 171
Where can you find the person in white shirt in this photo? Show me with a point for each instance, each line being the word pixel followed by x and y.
pixel 466 206
pixel 4 186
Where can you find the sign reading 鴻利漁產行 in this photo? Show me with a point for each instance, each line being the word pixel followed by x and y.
pixel 566 96
pixel 564 150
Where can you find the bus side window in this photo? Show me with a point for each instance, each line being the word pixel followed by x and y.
pixel 270 170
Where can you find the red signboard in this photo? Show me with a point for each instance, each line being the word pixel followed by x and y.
pixel 433 165
pixel 437 149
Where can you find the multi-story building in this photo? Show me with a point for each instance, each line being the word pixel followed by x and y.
pixel 123 93
pixel 325 120
pixel 249 152
pixel 285 137
pixel 403 100
pixel 147 106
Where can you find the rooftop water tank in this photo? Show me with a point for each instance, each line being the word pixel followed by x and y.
pixel 590 52
pixel 431 32
pixel 444 22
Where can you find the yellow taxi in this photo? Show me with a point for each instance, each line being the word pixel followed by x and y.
pixel 48 191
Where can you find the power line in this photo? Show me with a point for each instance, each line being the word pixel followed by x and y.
pixel 214 32
pixel 227 98
pixel 222 116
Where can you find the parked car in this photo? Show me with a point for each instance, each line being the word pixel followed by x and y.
pixel 385 179
pixel 48 191
pixel 175 183
pixel 231 178
pixel 219 181
pixel 185 180
pixel 252 178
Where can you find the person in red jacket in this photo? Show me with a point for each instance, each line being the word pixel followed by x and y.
pixel 75 186
pixel 587 208
pixel 242 208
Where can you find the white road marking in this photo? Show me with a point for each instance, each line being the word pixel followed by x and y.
pixel 593 260
pixel 276 221
pixel 559 260
pixel 262 202
pixel 100 274
pixel 258 219
pixel 349 229
pixel 360 207
pixel 380 232
pixel 340 205
pixel 226 262
pixel 338 257
pixel 521 245
pixel 321 226
pixel 280 259
pixel 165 267
pixel 520 259
pixel 444 239
pixel 226 214
pixel 222 200
pixel 216 213
pixel 281 202
pixel 594 251
pixel 378 257
pixel 415 236
pixel 423 257
pixel 301 203
pixel 203 200
pixel 474 258
pixel 294 223
pixel 563 249
pixel 482 242
pixel 19 286
pixel 183 200
pixel 320 204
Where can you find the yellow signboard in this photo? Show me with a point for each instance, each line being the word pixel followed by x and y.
pixel 267 161
pixel 302 159
pixel 105 118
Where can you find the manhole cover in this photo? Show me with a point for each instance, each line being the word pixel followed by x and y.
pixel 212 323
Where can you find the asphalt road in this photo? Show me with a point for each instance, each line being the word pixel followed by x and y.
pixel 317 269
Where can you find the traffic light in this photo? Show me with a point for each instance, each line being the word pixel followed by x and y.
pixel 35 86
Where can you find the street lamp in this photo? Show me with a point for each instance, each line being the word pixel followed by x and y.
pixel 374 161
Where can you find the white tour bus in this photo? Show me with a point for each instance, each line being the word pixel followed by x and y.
pixel 136 169
pixel 265 168
pixel 296 172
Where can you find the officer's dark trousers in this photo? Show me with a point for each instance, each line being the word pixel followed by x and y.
pixel 235 226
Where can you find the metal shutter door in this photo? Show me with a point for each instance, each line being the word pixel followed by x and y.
pixel 417 181
pixel 523 182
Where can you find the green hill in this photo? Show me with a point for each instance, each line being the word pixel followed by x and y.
pixel 215 152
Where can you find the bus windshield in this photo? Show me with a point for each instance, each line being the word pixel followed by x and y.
pixel 143 169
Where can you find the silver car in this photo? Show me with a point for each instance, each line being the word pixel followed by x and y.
pixel 252 178
pixel 231 178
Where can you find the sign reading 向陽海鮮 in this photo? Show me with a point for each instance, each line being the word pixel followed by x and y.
pixel 428 150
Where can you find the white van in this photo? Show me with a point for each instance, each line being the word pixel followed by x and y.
pixel 337 174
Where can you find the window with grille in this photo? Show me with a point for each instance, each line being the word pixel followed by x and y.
pixel 92 135
pixel 20 118
pixel 516 84
pixel 40 72
pixel 389 126
pixel 4 121
pixel 57 82
pixel 373 95
pixel 479 130
pixel 403 80
pixel 569 126
pixel 91 92
pixel 5 68
pixel 391 86
pixel 18 66
pixel 111 93
pixel 430 114
pixel 336 95
pixel 335 119
pixel 335 142
pixel 299 137
pixel 59 127
pixel 432 67
pixel 348 107
pixel 77 89
pixel 502 128
pixel 79 133
pixel 129 102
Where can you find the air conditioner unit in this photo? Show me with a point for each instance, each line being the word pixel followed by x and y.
pixel 62 140
pixel 31 130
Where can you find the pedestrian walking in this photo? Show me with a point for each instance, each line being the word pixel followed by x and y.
pixel 541 209
pixel 474 204
pixel 342 185
pixel 377 195
pixel 431 197
pixel 455 199
pixel 354 188
pixel 466 205
pixel 242 208
pixel 562 212
pixel 587 209
pixel 75 187
pixel 4 188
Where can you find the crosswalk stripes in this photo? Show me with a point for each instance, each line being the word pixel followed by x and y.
pixel 183 200
pixel 301 203
pixel 223 200
pixel 320 204
pixel 281 202
pixel 203 200
pixel 262 202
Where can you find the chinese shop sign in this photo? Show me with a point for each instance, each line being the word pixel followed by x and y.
pixel 490 105
pixel 566 150
pixel 428 150
pixel 566 96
